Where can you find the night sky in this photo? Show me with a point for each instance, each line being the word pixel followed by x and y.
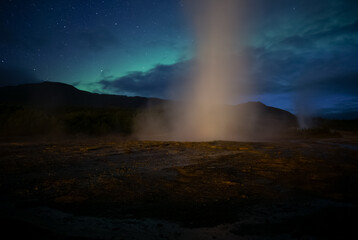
pixel 297 53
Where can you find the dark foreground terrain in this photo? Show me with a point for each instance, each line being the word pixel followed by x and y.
pixel 108 188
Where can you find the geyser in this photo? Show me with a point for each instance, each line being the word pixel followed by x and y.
pixel 203 113
pixel 204 116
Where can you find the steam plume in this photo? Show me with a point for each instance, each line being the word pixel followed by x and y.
pixel 203 115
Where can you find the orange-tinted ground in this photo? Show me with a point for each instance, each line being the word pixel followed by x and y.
pixel 116 189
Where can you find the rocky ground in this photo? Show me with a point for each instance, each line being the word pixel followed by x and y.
pixel 110 188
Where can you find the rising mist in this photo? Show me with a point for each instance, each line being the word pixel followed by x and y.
pixel 203 114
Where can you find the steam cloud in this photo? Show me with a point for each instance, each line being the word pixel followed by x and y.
pixel 204 115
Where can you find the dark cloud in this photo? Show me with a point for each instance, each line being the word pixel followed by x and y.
pixel 157 82
pixel 274 71
pixel 314 61
pixel 296 42
pixel 347 29
pixel 334 34
pixel 313 48
pixel 98 40
pixel 346 83
pixel 333 37
pixel 14 76
pixel 269 72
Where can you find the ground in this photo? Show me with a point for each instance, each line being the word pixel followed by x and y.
pixel 111 188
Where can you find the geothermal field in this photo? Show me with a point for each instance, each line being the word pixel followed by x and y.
pixel 108 188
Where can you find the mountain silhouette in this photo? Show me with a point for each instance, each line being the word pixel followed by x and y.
pixel 258 116
pixel 61 94
pixel 53 94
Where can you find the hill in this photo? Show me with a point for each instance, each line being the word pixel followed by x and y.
pixel 258 115
pixel 60 94
pixel 51 107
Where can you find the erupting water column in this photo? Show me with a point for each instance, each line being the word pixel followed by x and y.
pixel 204 117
